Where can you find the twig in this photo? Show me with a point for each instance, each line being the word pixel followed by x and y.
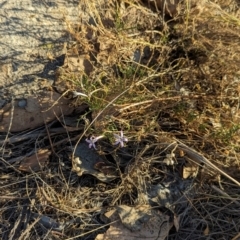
pixel 225 194
pixel 194 155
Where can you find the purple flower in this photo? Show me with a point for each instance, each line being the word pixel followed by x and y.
pixel 120 139
pixel 92 140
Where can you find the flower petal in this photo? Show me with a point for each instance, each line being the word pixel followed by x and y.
pixel 116 136
pixel 117 142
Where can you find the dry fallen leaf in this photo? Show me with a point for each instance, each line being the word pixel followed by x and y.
pixel 134 217
pixel 88 161
pixel 206 231
pixel 77 63
pixel 38 110
pixel 35 162
pixel 189 171
pixel 156 227
pixel 176 220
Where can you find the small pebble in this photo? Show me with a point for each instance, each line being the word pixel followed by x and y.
pixel 22 103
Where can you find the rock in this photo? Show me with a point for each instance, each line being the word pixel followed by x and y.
pixel 32 44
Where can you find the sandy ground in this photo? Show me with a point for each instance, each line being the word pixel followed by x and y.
pixel 33 40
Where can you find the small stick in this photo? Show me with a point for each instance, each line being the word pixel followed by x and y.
pixel 194 155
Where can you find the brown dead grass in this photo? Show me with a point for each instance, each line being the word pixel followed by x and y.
pixel 184 84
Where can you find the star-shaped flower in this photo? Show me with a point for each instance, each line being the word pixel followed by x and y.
pixel 120 139
pixel 92 140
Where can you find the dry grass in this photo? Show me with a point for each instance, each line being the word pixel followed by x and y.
pixel 160 81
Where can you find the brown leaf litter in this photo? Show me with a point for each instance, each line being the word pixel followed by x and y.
pixel 35 162
pixel 33 112
pixel 136 222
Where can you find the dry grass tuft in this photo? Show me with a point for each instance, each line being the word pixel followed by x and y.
pixel 161 81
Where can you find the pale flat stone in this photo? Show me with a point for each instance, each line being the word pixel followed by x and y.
pixel 33 40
